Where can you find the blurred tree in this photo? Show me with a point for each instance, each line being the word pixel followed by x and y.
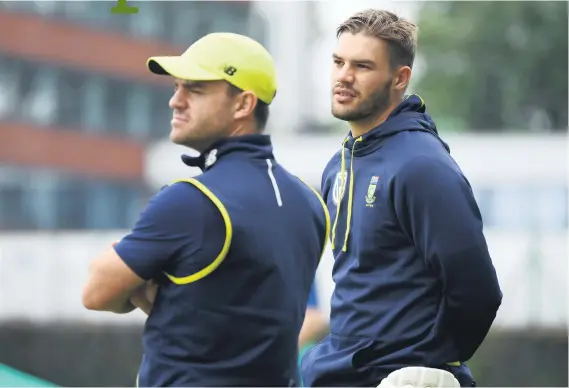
pixel 495 65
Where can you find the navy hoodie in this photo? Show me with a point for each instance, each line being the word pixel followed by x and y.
pixel 414 282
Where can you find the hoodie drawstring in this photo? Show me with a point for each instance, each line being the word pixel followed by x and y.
pixel 341 194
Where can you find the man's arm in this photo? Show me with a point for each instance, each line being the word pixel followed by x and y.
pixel 437 210
pixel 143 297
pixel 170 222
pixel 110 284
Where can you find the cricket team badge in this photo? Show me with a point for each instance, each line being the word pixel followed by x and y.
pixel 370 196
pixel 339 187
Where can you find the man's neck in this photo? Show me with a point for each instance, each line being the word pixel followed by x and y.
pixel 239 130
pixel 243 129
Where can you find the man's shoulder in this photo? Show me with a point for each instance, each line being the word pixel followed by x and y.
pixel 414 143
pixel 421 166
pixel 423 150
pixel 182 188
pixel 178 196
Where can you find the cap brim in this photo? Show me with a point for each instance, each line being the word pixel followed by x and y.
pixel 181 68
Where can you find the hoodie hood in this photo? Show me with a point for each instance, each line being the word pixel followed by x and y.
pixel 410 115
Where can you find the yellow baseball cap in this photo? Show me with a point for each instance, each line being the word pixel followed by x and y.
pixel 237 59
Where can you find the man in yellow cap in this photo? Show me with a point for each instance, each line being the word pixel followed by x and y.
pixel 224 78
pixel 234 250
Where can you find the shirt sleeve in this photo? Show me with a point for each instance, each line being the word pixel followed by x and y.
pixel 437 210
pixel 171 222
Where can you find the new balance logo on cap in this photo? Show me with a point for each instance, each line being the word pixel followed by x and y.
pixel 230 70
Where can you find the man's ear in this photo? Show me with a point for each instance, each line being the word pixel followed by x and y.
pixel 245 105
pixel 402 78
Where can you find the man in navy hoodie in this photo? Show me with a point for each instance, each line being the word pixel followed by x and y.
pixel 414 283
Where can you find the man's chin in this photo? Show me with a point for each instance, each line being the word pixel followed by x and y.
pixel 175 138
pixel 345 116
pixel 189 141
pixel 178 135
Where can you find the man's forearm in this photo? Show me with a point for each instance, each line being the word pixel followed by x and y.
pixel 144 297
pixel 110 284
pixel 473 297
pixel 121 307
pixel 139 301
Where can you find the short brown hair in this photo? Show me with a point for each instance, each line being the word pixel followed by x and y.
pixel 400 34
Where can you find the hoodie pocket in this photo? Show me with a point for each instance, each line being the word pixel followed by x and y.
pixel 353 352
pixel 341 361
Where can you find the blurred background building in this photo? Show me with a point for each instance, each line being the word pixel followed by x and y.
pixel 84 144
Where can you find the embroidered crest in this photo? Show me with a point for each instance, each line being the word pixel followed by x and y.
pixel 370 196
pixel 339 187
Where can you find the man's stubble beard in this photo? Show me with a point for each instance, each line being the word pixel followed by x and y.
pixel 203 141
pixel 372 106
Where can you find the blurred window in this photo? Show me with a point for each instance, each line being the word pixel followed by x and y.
pixel 90 102
pixel 138 110
pixel 94 94
pixel 130 203
pixel 116 106
pixel 177 22
pixel 71 99
pixel 12 200
pixel 103 209
pixel 38 93
pixel 71 204
pixel 40 199
pixel 9 77
pixel 47 199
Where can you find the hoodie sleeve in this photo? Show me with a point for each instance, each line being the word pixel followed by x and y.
pixel 437 210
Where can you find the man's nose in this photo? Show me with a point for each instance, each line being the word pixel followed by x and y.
pixel 177 101
pixel 345 75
